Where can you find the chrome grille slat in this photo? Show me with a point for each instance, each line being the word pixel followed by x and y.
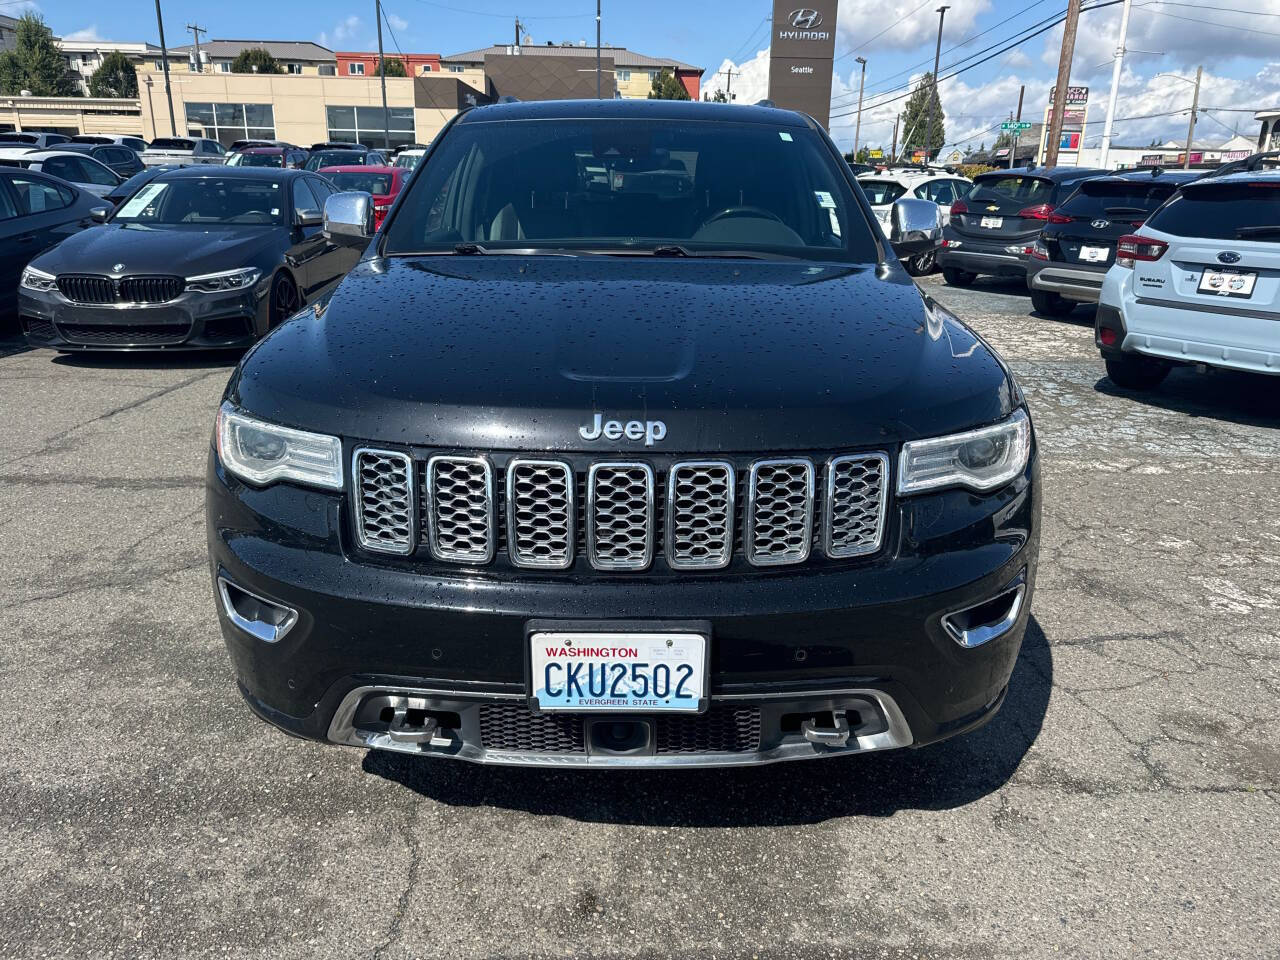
pixel 620 516
pixel 699 517
pixel 460 509
pixel 856 501
pixel 779 514
pixel 384 495
pixel 540 514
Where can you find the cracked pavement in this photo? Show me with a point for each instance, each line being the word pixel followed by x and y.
pixel 1125 802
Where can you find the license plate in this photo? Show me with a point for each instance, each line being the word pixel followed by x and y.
pixel 1095 254
pixel 1227 283
pixel 991 223
pixel 618 672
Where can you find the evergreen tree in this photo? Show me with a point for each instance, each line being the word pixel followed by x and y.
pixel 395 68
pixel 719 97
pixel 255 57
pixel 667 87
pixel 116 77
pixel 35 63
pixel 917 119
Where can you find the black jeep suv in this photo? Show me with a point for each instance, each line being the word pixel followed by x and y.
pixel 628 442
pixel 1077 246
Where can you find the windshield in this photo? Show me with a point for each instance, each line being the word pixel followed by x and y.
pixel 1008 193
pixel 1223 211
pixel 256 160
pixel 612 185
pixel 408 160
pixel 334 158
pixel 1101 198
pixel 205 200
pixel 172 143
pixel 880 192
pixel 378 184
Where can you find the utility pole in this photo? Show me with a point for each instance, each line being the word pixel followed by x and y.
pixel 1115 84
pixel 196 30
pixel 857 130
pixel 382 72
pixel 1191 126
pixel 893 151
pixel 598 53
pixel 728 82
pixel 1013 152
pixel 1064 80
pixel 164 59
pixel 933 100
pixel 519 27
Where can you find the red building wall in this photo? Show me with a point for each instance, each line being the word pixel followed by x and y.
pixel 690 79
pixel 413 62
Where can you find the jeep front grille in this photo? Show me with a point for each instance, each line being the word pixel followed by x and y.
pixel 620 516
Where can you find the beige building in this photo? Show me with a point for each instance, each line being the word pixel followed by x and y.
pixel 301 109
pixel 84 57
pixel 71 115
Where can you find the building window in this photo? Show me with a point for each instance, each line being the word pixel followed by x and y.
pixel 426 68
pixel 455 69
pixel 229 122
pixel 364 125
pixel 624 76
pixel 223 66
pixel 355 69
pixel 328 70
pixel 159 64
pixel 293 68
pixel 653 75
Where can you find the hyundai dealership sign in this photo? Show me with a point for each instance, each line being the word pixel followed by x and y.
pixel 801 50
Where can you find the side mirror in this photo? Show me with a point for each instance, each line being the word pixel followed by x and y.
pixel 309 218
pixel 99 214
pixel 915 226
pixel 348 218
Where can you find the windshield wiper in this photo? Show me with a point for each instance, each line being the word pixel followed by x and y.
pixel 469 249
pixel 679 250
pixel 1261 231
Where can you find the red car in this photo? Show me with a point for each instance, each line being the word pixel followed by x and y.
pixel 385 183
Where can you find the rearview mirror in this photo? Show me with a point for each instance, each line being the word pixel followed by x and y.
pixel 915 226
pixel 99 214
pixel 348 218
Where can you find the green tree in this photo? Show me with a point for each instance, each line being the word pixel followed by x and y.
pixel 719 97
pixel 115 77
pixel 255 60
pixel 864 154
pixel 917 119
pixel 667 87
pixel 395 68
pixel 35 63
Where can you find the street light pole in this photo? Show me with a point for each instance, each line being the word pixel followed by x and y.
pixel 933 100
pixel 1191 126
pixel 857 130
pixel 164 59
pixel 598 50
pixel 1115 84
pixel 1017 134
pixel 382 73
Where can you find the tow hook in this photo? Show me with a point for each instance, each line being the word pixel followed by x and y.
pixel 401 732
pixel 836 735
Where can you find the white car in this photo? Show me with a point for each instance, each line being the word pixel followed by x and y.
pixel 183 150
pixel 136 144
pixel 408 158
pixel 883 188
pixel 1198 282
pixel 32 141
pixel 75 168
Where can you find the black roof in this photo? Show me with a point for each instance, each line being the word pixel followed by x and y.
pixel 1159 175
pixel 633 110
pixel 203 170
pixel 1050 173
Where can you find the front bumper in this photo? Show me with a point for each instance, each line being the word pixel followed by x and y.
pixel 864 642
pixel 1078 283
pixel 193 321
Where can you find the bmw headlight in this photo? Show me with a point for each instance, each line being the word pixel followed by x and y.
pixel 34 279
pixel 225 280
pixel 262 453
pixel 979 459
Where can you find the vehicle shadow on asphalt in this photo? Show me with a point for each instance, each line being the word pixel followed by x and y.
pixel 1249 399
pixel 938 777
pixel 151 360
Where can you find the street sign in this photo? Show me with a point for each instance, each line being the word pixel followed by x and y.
pixel 877 154
pixel 1019 125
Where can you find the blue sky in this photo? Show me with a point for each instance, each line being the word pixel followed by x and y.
pixel 1237 42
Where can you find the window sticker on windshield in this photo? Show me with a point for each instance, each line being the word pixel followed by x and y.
pixel 785 136
pixel 142 199
pixel 275 211
pixel 825 199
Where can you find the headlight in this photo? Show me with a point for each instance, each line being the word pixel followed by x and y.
pixel 263 453
pixel 34 279
pixel 225 280
pixel 980 459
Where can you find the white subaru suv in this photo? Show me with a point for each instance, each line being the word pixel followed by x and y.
pixel 1199 282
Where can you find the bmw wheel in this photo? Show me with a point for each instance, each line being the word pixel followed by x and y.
pixel 285 301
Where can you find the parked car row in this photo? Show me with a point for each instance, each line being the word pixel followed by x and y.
pixel 1183 265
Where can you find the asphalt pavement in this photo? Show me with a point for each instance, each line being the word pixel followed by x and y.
pixel 1125 802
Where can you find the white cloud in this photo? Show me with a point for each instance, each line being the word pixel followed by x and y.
pixel 750 79
pixel 88 33
pixel 397 23
pixel 913 24
pixel 344 33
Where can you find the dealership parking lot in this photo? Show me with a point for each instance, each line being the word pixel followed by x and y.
pixel 1126 801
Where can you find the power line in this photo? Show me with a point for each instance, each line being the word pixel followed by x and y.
pixel 905 16
pixel 1211 23
pixel 1197 6
pixel 750 39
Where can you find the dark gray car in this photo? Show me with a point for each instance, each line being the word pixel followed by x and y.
pixel 199 257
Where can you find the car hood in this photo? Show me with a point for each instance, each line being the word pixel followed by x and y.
pixel 515 353
pixel 187 251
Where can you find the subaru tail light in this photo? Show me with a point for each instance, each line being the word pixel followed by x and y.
pixel 1133 248
pixel 1040 211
